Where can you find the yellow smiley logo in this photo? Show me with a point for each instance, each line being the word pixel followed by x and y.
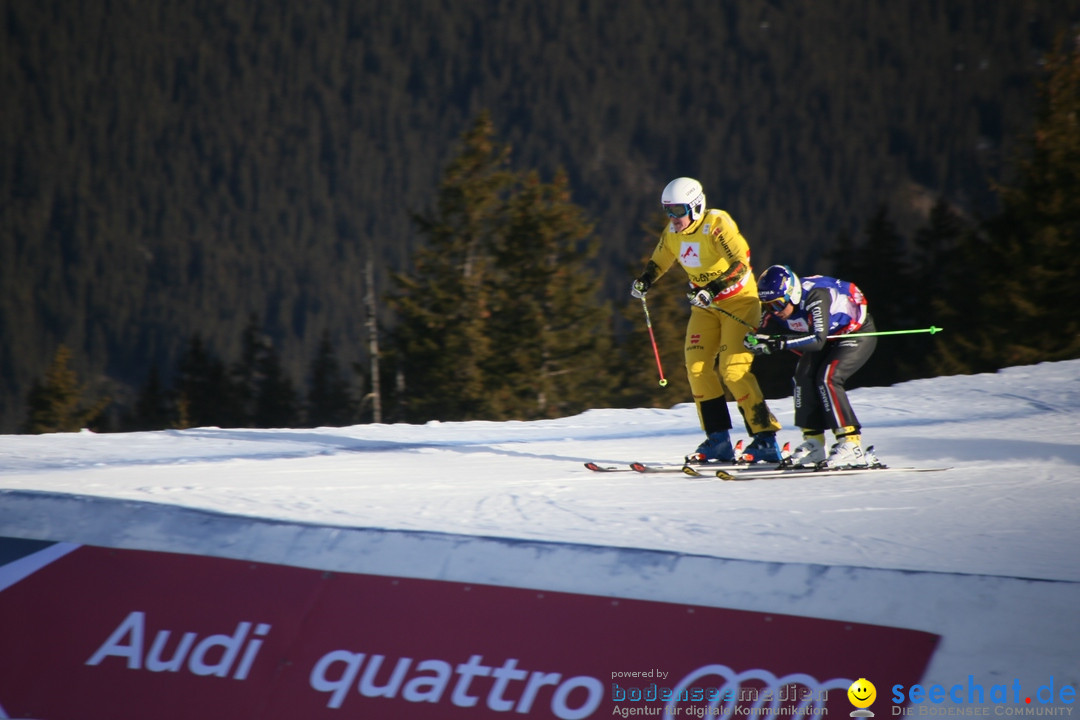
pixel 862 693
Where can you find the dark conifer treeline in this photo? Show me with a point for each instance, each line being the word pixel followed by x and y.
pixel 252 391
pixel 170 170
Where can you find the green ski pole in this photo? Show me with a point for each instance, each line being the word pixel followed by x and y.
pixel 930 330
pixel 753 340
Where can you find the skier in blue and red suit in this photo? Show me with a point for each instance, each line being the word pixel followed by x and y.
pixel 801 315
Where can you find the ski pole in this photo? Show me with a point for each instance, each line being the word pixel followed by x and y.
pixel 652 337
pixel 753 339
pixel 930 330
pixel 736 317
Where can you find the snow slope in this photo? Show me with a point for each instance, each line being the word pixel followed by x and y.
pixel 1007 507
pixel 985 553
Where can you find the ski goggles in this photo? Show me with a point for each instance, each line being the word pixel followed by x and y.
pixel 677 211
pixel 777 305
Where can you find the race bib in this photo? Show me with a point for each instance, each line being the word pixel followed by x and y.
pixel 799 325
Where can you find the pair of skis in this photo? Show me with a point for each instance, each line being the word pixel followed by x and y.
pixel 694 465
pixel 746 471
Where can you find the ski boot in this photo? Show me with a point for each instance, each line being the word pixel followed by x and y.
pixel 848 453
pixel 763 449
pixel 715 448
pixel 809 453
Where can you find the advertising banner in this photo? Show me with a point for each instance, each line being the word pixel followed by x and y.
pixel 91 633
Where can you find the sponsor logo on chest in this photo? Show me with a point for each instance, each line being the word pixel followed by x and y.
pixel 690 254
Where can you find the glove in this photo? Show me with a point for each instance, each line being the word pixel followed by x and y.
pixel 641 286
pixel 762 344
pixel 701 297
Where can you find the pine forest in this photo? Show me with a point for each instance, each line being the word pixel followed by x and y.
pixel 282 214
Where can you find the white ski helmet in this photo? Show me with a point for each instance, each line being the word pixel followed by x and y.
pixel 684 191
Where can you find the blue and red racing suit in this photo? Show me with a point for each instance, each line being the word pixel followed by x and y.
pixel 828 307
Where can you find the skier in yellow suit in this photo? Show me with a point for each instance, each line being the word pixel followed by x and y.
pixel 724 302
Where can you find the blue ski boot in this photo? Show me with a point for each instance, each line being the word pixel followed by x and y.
pixel 716 448
pixel 763 449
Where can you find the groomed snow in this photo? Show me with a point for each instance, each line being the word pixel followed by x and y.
pixel 1007 507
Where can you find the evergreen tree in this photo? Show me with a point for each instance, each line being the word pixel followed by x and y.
pixel 945 283
pixel 276 400
pixel 205 395
pixel 883 273
pixel 964 346
pixel 937 256
pixel 54 403
pixel 1032 261
pixel 441 340
pixel 329 400
pixel 154 409
pixel 245 373
pixel 264 395
pixel 500 319
pixel 879 266
pixel 552 339
pixel 843 258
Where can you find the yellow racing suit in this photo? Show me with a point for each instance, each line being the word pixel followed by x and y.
pixel 714 254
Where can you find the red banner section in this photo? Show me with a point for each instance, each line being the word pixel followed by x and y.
pixel 99 634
